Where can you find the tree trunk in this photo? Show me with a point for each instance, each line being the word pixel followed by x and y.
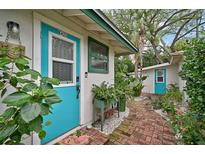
pixel 156 51
pixel 136 66
pixel 139 58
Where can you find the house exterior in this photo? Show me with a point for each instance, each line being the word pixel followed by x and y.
pixel 76 46
pixel 160 76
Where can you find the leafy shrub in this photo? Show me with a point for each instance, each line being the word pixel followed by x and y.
pixel 174 94
pixel 33 98
pixel 191 129
pixel 157 103
pixel 192 124
pixel 168 107
pixel 137 86
pixel 193 71
pixel 169 101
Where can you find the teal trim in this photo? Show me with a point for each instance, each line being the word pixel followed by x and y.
pixel 90 52
pixel 160 87
pixel 107 25
pixel 65 115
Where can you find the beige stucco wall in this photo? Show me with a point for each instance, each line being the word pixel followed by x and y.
pixel 25 20
pixel 171 77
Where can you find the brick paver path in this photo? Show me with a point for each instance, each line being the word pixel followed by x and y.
pixel 142 126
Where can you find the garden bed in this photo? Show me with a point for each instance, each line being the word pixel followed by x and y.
pixel 112 122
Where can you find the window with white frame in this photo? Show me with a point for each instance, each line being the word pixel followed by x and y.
pixel 160 76
pixel 63 62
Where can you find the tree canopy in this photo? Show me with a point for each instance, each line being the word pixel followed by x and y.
pixel 158 31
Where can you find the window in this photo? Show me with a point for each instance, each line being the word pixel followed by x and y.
pixel 98 56
pixel 160 76
pixel 62 59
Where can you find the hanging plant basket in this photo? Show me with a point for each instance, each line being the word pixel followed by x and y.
pixel 12 50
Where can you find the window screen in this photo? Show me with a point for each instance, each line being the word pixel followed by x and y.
pixel 160 75
pixel 98 57
pixel 62 60
pixel 63 71
pixel 62 49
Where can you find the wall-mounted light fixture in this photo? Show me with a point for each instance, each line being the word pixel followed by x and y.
pixel 12 41
pixel 13 31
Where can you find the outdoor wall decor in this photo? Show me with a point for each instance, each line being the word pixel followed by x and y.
pixel 13 49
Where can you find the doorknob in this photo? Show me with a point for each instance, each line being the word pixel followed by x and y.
pixel 78 91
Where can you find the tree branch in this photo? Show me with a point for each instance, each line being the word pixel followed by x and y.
pixel 178 33
pixel 166 24
pixel 189 31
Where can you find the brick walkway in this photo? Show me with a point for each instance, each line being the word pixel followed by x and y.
pixel 142 126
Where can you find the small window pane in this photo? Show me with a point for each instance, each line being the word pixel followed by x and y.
pixel 62 49
pixel 160 79
pixel 160 73
pixel 63 71
pixel 98 57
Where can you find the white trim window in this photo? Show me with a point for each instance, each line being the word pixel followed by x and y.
pixel 160 76
pixel 62 59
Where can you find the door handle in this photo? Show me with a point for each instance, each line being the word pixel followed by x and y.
pixel 78 91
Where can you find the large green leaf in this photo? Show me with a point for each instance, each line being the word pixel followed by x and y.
pixel 53 99
pixel 30 111
pixel 49 92
pixel 44 109
pixel 7 131
pixel 23 73
pixel 17 99
pixel 21 80
pixel 21 61
pixel 34 74
pixel 4 61
pixel 36 124
pixel 53 81
pixel 29 87
pixel 9 113
pixel 13 81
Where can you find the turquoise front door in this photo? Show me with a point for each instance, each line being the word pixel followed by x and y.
pixel 60 58
pixel 160 81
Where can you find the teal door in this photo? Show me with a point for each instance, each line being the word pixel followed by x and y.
pixel 60 58
pixel 160 81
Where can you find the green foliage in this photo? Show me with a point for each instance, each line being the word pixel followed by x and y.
pixel 157 103
pixel 78 133
pixel 103 92
pixel 149 59
pixel 191 125
pixel 174 94
pixel 158 24
pixel 170 100
pixel 193 71
pixel 191 128
pixel 33 98
pixel 137 86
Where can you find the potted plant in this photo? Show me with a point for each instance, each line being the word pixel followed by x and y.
pixel 103 94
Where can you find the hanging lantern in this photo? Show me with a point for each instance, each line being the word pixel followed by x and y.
pixel 12 45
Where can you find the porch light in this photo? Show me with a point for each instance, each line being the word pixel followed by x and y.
pixel 13 27
pixel 13 31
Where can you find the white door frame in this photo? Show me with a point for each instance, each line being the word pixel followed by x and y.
pixel 36 62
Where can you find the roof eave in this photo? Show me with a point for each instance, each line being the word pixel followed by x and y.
pixel 105 23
